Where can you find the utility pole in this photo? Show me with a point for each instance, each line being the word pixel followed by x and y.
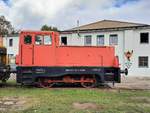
pixel 78 28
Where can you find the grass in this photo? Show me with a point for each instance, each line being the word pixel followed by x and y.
pixel 59 100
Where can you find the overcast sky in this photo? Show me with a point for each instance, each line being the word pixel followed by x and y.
pixel 32 14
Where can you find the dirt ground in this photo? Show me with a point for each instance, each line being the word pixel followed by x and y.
pixel 84 106
pixel 134 82
pixel 12 103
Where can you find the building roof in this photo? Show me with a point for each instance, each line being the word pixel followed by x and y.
pixel 107 24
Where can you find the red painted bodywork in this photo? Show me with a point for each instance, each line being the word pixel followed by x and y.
pixel 58 55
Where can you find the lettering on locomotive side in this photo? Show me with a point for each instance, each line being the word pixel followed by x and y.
pixel 75 70
pixel 83 70
pixel 97 69
pixel 40 70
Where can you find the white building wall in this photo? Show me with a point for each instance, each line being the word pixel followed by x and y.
pixel 128 44
pixel 75 40
pixel 138 50
pixel 14 48
pixel 12 51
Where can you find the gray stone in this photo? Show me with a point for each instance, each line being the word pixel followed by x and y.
pixel 1 102
pixel 8 103
pixel 2 109
pixel 20 102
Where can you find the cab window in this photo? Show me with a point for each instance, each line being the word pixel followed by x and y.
pixel 47 40
pixel 39 40
pixel 27 39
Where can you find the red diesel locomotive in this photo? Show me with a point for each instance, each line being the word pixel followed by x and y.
pixel 43 60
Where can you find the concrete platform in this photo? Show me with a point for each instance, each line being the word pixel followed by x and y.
pixel 135 82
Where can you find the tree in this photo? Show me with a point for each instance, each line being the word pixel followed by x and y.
pixel 5 26
pixel 48 28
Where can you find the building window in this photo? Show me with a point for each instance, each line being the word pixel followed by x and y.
pixel 100 40
pixel 10 42
pixel 113 39
pixel 144 38
pixel 88 40
pixel 143 61
pixel 63 40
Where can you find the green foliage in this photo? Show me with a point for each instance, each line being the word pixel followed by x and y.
pixel 60 100
pixel 48 28
pixel 5 26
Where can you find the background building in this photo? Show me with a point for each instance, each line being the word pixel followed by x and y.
pixel 131 42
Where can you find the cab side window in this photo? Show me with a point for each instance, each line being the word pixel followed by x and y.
pixel 27 39
pixel 39 40
pixel 47 40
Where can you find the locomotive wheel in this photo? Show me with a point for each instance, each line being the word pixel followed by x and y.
pixel 45 84
pixel 90 84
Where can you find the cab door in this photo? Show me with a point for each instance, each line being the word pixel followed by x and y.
pixel 43 50
pixel 27 50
